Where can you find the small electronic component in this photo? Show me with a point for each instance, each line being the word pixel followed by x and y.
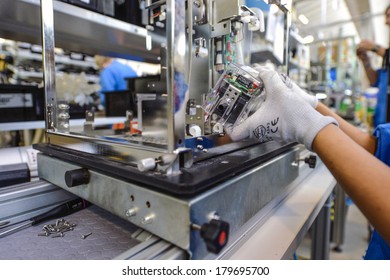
pixel 235 96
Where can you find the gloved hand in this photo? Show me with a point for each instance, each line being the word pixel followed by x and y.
pixel 283 116
pixel 311 99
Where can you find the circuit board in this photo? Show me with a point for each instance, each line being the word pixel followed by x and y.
pixel 234 97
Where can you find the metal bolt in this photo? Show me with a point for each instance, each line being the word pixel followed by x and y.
pixel 196 227
pixel 65 229
pixel 43 234
pixel 70 225
pixel 60 234
pixel 131 212
pixel 197 3
pixel 85 235
pixel 213 216
pixel 63 106
pixel 147 219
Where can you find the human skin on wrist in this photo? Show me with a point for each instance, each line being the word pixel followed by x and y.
pixel 367 64
pixel 376 48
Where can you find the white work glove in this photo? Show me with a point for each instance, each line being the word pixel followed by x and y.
pixel 283 116
pixel 311 99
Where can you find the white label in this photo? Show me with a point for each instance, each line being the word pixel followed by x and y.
pixel 16 100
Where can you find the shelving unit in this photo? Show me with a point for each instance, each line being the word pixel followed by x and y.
pixel 264 53
pixel 28 64
pixel 79 30
pixel 271 45
pixel 299 60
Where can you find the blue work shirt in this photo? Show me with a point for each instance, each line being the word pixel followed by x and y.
pixel 113 78
pixel 378 248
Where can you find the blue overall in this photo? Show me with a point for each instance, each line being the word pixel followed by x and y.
pixel 382 83
pixel 381 105
pixel 378 249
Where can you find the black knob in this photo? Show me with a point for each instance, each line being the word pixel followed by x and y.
pixel 311 161
pixel 215 234
pixel 77 177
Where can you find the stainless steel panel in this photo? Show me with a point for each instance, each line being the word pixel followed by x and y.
pixel 177 87
pixel 152 115
pixel 239 199
pixel 225 10
pixel 126 150
pixel 235 201
pixel 170 216
pixel 77 29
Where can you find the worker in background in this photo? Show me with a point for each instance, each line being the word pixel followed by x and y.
pixel 366 46
pixel 113 75
pixel 288 114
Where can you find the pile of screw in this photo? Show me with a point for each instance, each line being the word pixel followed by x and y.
pixel 57 229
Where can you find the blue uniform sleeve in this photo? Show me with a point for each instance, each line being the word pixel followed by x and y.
pixel 378 249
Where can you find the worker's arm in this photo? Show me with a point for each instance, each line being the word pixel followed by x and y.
pixel 371 73
pixel 287 116
pixel 368 45
pixel 361 51
pixel 364 139
pixel 367 141
pixel 364 178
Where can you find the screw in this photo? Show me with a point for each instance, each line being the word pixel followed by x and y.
pixel 43 234
pixel 85 235
pixel 51 228
pixel 197 3
pixel 65 229
pixel 131 212
pixel 147 219
pixel 60 234
pixel 60 222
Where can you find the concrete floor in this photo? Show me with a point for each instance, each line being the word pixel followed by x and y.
pixel 355 243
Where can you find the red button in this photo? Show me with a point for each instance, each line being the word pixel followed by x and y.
pixel 222 238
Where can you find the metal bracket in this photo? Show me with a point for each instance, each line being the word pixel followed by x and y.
pixel 221 29
pixel 88 124
pixel 140 98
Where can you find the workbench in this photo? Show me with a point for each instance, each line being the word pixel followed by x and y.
pixel 274 233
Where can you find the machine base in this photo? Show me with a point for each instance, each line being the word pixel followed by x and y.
pixel 235 200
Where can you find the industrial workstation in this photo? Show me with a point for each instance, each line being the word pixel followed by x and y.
pixel 149 171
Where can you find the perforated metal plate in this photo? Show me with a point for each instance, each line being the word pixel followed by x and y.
pixel 110 237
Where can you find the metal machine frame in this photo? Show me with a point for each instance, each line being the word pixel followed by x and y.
pixel 182 85
pixel 221 181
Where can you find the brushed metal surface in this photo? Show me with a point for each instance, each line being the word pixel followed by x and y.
pixel 235 200
pixel 77 29
pixel 21 202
